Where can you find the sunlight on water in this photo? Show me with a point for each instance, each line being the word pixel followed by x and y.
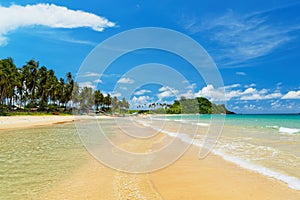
pixel 33 160
pixel 267 144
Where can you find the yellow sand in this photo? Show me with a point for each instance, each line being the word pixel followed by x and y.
pixel 187 179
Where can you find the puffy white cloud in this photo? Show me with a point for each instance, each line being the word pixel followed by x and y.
pixel 254 94
pixel 228 92
pixel 251 85
pixel 141 92
pixel 87 84
pixel 215 94
pixel 192 86
pixel 292 95
pixel 189 94
pixel 49 15
pixel 141 99
pixel 126 80
pixel 166 92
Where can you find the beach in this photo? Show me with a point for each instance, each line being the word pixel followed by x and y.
pixel 187 178
pixel 15 122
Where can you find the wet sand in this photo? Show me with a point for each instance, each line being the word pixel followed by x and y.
pixel 16 122
pixel 188 178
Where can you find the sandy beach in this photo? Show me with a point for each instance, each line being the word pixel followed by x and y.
pixel 188 178
pixel 15 122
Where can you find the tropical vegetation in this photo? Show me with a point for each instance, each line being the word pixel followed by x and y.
pixel 198 105
pixel 35 88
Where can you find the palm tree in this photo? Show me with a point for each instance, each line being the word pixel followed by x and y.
pixel 69 88
pixel 30 72
pixel 42 86
pixel 9 80
pixel 52 86
pixel 98 99
pixel 86 98
pixel 107 101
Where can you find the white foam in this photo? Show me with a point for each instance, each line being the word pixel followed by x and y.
pixel 274 127
pixel 288 130
pixel 201 124
pixel 293 182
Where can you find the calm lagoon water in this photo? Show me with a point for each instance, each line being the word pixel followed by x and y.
pixel 33 160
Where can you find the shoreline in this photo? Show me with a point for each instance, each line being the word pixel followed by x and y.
pixel 28 121
pixel 212 178
pixel 18 122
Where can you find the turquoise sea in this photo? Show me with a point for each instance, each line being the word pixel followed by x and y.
pixel 34 160
pixel 266 144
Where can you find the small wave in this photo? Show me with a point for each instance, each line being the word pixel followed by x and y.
pixel 293 182
pixel 159 119
pixel 274 127
pixel 285 129
pixel 288 130
pixel 201 124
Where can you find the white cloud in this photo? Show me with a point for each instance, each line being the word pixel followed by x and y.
pixel 141 99
pixel 292 95
pixel 164 88
pixel 87 84
pixel 275 105
pixel 89 74
pixel 232 86
pixel 116 94
pixel 189 94
pixel 242 37
pixel 141 92
pixel 192 86
pixel 250 107
pixel 126 80
pixel 227 93
pixel 49 15
pixel 254 94
pixel 251 85
pixel 241 73
pixel 166 92
pixel 215 94
pixel 97 81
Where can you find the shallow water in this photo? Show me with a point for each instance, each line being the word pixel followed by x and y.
pixel 34 160
pixel 267 144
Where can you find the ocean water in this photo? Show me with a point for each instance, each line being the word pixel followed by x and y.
pixel 266 144
pixel 34 160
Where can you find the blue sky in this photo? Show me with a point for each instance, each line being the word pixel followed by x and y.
pixel 255 45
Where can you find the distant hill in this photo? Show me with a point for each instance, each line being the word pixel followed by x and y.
pixel 199 105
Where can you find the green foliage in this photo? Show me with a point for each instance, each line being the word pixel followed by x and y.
pixel 194 106
pixel 32 88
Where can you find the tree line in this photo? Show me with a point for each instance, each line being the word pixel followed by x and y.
pixel 198 105
pixel 34 87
